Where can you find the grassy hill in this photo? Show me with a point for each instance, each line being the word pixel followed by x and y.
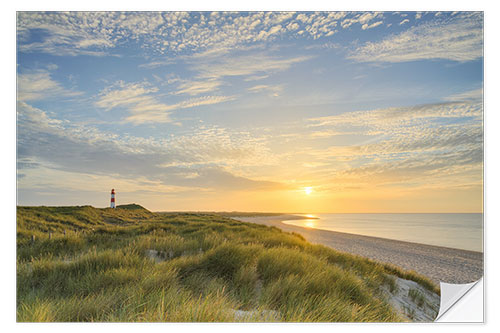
pixel 129 264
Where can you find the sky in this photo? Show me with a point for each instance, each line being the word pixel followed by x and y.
pixel 314 112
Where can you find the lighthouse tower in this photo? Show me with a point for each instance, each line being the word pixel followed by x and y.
pixel 113 198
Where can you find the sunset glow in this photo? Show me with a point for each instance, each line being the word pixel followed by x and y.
pixel 255 111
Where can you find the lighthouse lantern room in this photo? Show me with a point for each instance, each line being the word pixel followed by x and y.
pixel 113 198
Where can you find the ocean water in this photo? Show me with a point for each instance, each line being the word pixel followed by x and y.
pixel 459 231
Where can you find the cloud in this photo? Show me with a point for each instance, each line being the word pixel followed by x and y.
pixel 376 24
pixel 292 26
pixel 273 90
pixel 205 100
pixel 138 98
pixel 213 71
pixel 419 146
pixel 203 158
pixel 156 64
pixel 256 77
pixel 265 34
pixel 471 95
pixel 198 87
pixel 81 33
pixel 410 146
pixel 39 85
pixel 97 33
pixel 123 94
pixel 214 177
pixel 259 88
pixel 367 17
pixel 94 42
pixel 144 107
pixel 149 112
pixel 404 21
pixel 443 170
pixel 399 116
pixel 459 38
pixel 361 18
pixel 246 65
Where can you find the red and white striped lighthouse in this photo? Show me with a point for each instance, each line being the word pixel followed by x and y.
pixel 113 198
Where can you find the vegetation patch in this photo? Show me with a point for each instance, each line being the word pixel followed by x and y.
pixel 417 297
pixel 87 264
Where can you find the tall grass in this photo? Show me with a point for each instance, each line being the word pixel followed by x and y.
pixel 128 264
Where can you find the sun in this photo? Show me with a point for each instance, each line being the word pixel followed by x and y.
pixel 308 190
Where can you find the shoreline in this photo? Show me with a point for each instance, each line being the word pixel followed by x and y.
pixel 381 238
pixel 440 264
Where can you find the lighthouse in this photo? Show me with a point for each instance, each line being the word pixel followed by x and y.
pixel 113 198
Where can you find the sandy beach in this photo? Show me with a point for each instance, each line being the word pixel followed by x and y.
pixel 438 263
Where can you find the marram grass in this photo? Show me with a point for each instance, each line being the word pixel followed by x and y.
pixel 132 265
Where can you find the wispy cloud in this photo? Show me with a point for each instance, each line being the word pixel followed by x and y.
pixel 216 70
pixel 256 77
pixel 471 95
pixel 123 94
pixel 39 85
pixel 402 115
pixel 138 98
pixel 144 106
pixel 409 146
pixel 272 90
pixel 459 38
pixel 201 159
pixel 158 63
pixel 246 65
pixel 196 87
pixel 150 113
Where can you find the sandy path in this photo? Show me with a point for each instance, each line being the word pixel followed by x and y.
pixel 438 263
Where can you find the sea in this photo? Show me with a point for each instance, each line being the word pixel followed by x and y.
pixel 459 231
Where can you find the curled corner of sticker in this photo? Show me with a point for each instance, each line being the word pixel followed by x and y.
pixel 461 303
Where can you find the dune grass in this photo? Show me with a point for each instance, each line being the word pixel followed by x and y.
pixel 129 264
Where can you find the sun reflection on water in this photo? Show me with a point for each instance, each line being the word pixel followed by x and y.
pixel 310 223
